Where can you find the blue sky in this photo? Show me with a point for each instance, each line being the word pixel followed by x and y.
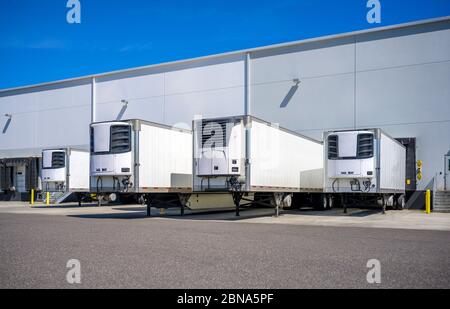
pixel 38 45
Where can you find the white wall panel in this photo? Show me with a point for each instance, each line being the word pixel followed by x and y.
pixel 150 109
pixel 124 87
pixel 18 104
pixel 20 132
pixel 318 103
pixel 209 104
pixel 206 77
pixel 175 94
pixel 55 130
pixel 402 47
pixel 52 117
pixel 301 62
pixel 404 95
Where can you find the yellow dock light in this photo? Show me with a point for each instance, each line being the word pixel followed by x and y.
pixel 419 169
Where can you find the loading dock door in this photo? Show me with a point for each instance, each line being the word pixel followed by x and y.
pixel 7 177
pixel 447 173
pixel 411 171
pixel 20 181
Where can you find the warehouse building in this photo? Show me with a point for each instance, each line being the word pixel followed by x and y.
pixel 396 78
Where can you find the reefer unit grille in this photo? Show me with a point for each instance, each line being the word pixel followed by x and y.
pixel 214 133
pixel 92 140
pixel 365 146
pixel 120 139
pixel 333 146
pixel 58 159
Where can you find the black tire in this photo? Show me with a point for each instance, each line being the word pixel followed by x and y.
pixel 330 202
pixel 401 202
pixel 322 203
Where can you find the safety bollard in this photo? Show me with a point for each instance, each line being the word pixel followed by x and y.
pixel 428 202
pixel 32 197
pixel 47 200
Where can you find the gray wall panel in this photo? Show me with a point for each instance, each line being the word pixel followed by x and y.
pixel 52 117
pixel 303 62
pixel 404 95
pixel 129 88
pixel 174 94
pixel 403 47
pixel 223 102
pixel 325 102
pixel 150 109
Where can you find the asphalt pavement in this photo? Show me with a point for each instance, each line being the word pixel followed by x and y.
pixel 139 252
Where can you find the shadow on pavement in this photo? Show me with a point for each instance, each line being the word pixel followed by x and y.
pixel 337 212
pixel 174 214
pixel 137 212
pixel 64 206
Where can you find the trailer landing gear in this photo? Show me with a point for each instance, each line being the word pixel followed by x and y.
pixel 148 204
pixel 79 199
pixel 237 197
pixel 184 198
pixel 277 200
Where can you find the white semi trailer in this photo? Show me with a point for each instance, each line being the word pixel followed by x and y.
pixel 146 161
pixel 65 173
pixel 254 161
pixel 365 167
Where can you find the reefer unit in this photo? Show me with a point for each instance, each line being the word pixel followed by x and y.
pixel 365 162
pixel 136 157
pixel 65 170
pixel 246 154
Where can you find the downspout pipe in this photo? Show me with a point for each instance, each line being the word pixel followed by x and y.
pixel 247 121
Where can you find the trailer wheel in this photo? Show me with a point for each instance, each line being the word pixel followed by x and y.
pixel 383 202
pixel 330 202
pixel 322 204
pixel 287 201
pixel 401 202
pixel 99 200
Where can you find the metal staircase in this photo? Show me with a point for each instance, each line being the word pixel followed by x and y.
pixel 57 197
pixel 441 201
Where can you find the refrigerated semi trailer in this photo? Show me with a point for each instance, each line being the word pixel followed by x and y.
pixel 141 160
pixel 365 167
pixel 65 174
pixel 254 161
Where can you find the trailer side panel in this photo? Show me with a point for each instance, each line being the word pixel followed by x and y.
pixel 280 159
pixel 392 164
pixel 165 158
pixel 79 170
